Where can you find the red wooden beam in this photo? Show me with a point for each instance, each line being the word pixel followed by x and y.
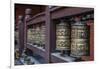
pixel 90 23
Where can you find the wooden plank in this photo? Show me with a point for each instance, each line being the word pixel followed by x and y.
pixel 55 9
pixel 36 19
pixel 69 12
pixel 55 59
pixel 36 50
pixel 21 34
pixel 90 23
pixel 58 12
pixel 48 34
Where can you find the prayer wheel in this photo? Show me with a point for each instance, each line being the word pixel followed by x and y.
pixel 43 28
pixel 33 37
pixel 30 36
pixel 37 35
pixel 79 38
pixel 63 36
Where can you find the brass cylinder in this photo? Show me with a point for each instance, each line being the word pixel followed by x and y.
pixel 33 35
pixel 43 28
pixel 30 36
pixel 79 39
pixel 63 36
pixel 37 35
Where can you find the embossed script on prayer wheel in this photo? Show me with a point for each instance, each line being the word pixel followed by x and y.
pixel 79 39
pixel 63 36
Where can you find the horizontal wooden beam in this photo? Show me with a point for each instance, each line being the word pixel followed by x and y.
pixel 58 12
pixel 36 50
pixel 36 19
pixel 64 12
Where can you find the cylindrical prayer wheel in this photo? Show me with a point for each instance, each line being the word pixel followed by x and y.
pixel 63 36
pixel 29 36
pixel 43 28
pixel 33 35
pixel 79 39
pixel 37 35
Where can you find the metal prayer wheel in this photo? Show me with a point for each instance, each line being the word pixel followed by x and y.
pixel 63 36
pixel 37 35
pixel 33 33
pixel 30 36
pixel 79 39
pixel 43 28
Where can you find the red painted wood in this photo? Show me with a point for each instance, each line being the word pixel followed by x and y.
pixel 91 24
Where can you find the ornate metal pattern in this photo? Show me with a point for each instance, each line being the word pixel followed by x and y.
pixel 42 42
pixel 36 35
pixel 62 36
pixel 79 39
pixel 30 36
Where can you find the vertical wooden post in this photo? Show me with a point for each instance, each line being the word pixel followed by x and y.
pixel 27 16
pixel 53 36
pixel 50 35
pixel 48 25
pixel 91 25
pixel 21 34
